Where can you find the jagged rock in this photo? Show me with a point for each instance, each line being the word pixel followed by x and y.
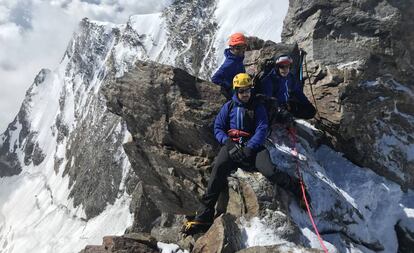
pixel 405 238
pixel 239 200
pixel 176 111
pixel 167 229
pixel 128 243
pixel 223 236
pixel 18 136
pixel 191 36
pixel 95 249
pixel 360 59
pixel 145 211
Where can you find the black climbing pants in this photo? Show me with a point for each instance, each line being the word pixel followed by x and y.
pixel 224 165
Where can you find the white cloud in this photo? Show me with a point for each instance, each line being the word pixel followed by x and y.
pixel 35 33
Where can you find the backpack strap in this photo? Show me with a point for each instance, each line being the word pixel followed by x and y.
pixel 229 108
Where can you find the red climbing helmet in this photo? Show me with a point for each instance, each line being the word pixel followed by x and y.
pixel 283 60
pixel 237 39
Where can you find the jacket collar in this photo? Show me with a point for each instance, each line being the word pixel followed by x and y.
pixel 230 55
pixel 238 102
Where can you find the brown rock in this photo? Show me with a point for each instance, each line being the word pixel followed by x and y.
pixel 223 236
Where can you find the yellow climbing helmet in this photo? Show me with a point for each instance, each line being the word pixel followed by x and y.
pixel 242 80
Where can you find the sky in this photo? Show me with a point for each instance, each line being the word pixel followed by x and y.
pixel 34 35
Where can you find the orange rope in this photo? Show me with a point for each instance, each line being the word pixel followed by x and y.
pixel 292 135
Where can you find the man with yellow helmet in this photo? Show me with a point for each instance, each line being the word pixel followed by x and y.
pixel 241 127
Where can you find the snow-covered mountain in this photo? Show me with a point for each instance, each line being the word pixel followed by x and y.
pixel 67 181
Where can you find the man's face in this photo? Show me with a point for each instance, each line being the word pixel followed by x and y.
pixel 238 50
pixel 284 70
pixel 244 94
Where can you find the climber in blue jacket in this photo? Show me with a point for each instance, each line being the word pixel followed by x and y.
pixel 241 127
pixel 281 85
pixel 233 64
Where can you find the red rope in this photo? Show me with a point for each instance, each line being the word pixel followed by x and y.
pixel 292 135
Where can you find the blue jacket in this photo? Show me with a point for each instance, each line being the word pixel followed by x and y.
pixel 282 88
pixel 226 120
pixel 231 66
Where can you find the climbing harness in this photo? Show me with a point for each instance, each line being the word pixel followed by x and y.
pixel 238 136
pixel 293 138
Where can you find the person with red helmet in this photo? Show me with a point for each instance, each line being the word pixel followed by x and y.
pixel 233 64
pixel 281 85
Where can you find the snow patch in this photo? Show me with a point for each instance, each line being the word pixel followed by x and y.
pixel 351 64
pixel 257 233
pixel 170 248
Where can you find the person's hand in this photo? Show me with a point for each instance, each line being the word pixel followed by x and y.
pixel 230 144
pixel 283 116
pixel 236 154
pixel 248 152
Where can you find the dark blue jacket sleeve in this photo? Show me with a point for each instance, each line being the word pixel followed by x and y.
pixel 261 128
pixel 221 124
pixel 266 86
pixel 220 76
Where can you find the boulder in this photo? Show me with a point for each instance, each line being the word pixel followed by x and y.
pixel 223 236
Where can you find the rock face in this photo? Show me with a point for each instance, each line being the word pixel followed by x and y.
pixel 129 243
pixel 18 138
pixel 192 37
pixel 169 114
pixel 360 59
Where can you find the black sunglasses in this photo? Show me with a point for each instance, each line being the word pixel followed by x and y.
pixel 242 91
pixel 240 47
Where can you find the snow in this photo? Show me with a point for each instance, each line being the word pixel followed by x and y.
pixel 368 191
pixel 151 31
pixel 257 232
pixel 351 64
pixel 345 198
pixel 35 209
pixel 14 137
pixel 170 248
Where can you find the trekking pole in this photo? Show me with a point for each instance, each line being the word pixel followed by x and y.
pixel 293 138
pixel 311 88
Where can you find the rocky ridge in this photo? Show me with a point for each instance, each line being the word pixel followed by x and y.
pixel 360 62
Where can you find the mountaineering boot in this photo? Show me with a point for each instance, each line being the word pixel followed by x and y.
pixel 192 227
pixel 199 223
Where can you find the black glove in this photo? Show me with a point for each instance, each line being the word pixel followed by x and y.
pixel 269 64
pixel 236 154
pixel 248 152
pixel 293 103
pixel 284 116
pixel 230 144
